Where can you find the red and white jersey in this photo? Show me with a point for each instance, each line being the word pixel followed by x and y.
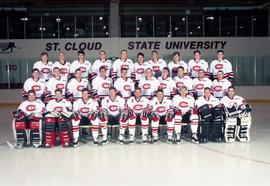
pixel 119 64
pixel 29 107
pixel 183 81
pixel 58 106
pixel 148 86
pixel 85 108
pixel 102 85
pixel 138 105
pixel 84 67
pixel 168 85
pixel 38 86
pixel 235 101
pixel 98 63
pixel 201 84
pixel 185 104
pixel 64 68
pixel 53 84
pixel 223 65
pixel 160 107
pixel 158 66
pixel 140 70
pixel 211 101
pixel 113 107
pixel 220 88
pixel 194 67
pixel 45 70
pixel 125 86
pixel 174 67
pixel 75 87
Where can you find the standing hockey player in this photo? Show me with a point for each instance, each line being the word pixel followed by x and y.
pixel 183 79
pixel 156 64
pixel 101 62
pixel 82 64
pixel 177 62
pixel 124 85
pixel 140 68
pixel 166 83
pixel 63 65
pixel 200 83
pixel 197 64
pixel 220 85
pixel 44 66
pixel 149 84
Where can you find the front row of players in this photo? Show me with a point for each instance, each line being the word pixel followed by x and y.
pixel 206 119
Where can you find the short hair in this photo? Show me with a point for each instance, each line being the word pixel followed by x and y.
pixel 160 90
pixel 181 67
pixel 207 88
pixel 81 52
pixel 154 51
pixel 148 69
pixel 220 71
pixel 196 51
pixel 78 69
pixel 34 70
pixel 168 70
pixel 44 53
pixel 183 87
pixel 102 68
pixel 231 87
pixel 112 88
pixel 85 90
pixel 220 51
pixel 121 51
pixel 58 90
pixel 201 70
pixel 137 88
pixel 56 68
pixel 140 54
pixel 102 51
pixel 31 91
pixel 176 53
pixel 122 69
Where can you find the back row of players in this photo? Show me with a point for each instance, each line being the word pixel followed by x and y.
pixel 130 94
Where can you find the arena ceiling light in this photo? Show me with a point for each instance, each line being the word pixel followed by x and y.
pixel 24 19
pixel 209 18
pixel 58 20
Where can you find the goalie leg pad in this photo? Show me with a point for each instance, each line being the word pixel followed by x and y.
pixel 243 130
pixel 204 129
pixel 50 132
pixel 230 129
pixel 216 132
pixel 63 132
pixel 35 132
pixel 20 136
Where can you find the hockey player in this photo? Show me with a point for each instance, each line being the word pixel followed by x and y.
pixel 185 113
pixel 140 67
pixel 196 64
pixel 75 86
pixel 200 83
pixel 27 122
pixel 102 83
pixel 177 62
pixel 156 64
pixel 44 66
pixel 238 117
pixel 63 65
pixel 58 113
pixel 221 64
pixel 34 83
pixel 124 85
pixel 166 83
pixel 211 118
pixel 123 62
pixel 112 113
pixel 82 64
pixel 149 84
pixel 220 85
pixel 86 113
pixel 138 114
pixel 101 62
pixel 182 79
pixel 161 113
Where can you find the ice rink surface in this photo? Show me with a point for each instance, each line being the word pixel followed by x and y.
pixel 121 165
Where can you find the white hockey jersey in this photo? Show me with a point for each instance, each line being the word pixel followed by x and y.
pixel 102 85
pixel 185 104
pixel 29 107
pixel 126 87
pixel 44 69
pixel 212 101
pixel 53 84
pixel 220 88
pixel 64 68
pixel 38 86
pixel 158 66
pixel 223 65
pixel 235 101
pixel 98 63
pixel 140 70
pixel 138 105
pixel 84 67
pixel 168 85
pixel 174 67
pixel 119 64
pixel 160 107
pixel 200 85
pixel 85 108
pixel 113 107
pixel 184 81
pixel 148 86
pixel 58 106
pixel 194 67
pixel 75 87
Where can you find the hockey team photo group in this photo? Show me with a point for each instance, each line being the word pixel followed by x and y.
pixel 125 102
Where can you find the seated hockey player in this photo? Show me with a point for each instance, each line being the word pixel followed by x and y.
pixel 124 85
pixel 185 112
pixel 197 64
pixel 113 112
pixel 149 84
pixel 102 83
pixel 182 79
pixel 156 64
pixel 34 83
pixel 238 117
pixel 138 115
pixel 101 62
pixel 44 66
pixel 177 62
pixel 200 83
pixel 220 85
pixel 221 64
pixel 86 113
pixel 58 113
pixel 63 65
pixel 166 83
pixel 161 113
pixel 27 122
pixel 211 118
pixel 140 67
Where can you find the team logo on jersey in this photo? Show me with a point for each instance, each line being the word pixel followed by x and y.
pixel 31 108
pixel 105 85
pixel 179 84
pixel 161 109
pixel 82 69
pixel 199 86
pixel 183 104
pixel 113 108
pixel 60 86
pixel 146 86
pixel 138 107
pixel 127 88
pixel 218 88
pixel 163 85
pixel 140 71
pixel 196 68
pixel 84 110
pixel 156 68
pixel 58 109
pixel 63 71
pixel 36 88
pixel 80 87
pixel 218 66
pixel 125 66
pixel 45 70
